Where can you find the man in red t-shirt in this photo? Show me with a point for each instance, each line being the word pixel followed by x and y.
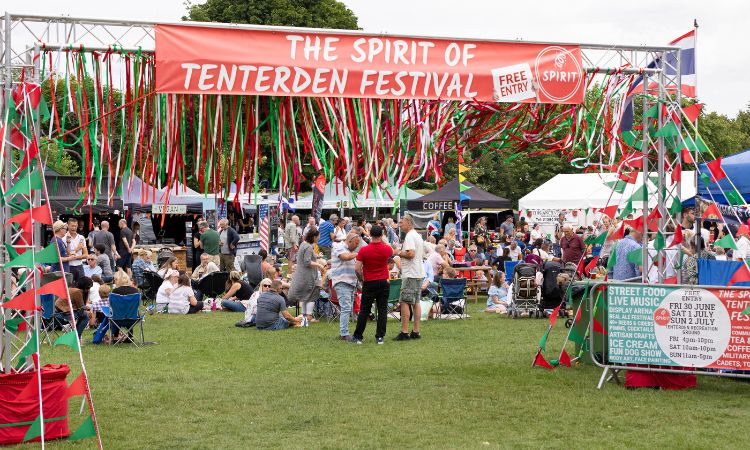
pixel 573 247
pixel 372 267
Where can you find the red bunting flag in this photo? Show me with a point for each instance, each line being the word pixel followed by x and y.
pixel 591 265
pixel 741 275
pixel 687 157
pixel 636 224
pixel 692 112
pixel 717 173
pixel 553 316
pixel 609 211
pixel 57 287
pixel 619 234
pixel 630 177
pixel 598 328
pixel 77 387
pixel 25 302
pixel 541 362
pixel 712 212
pixel 29 155
pixel 31 390
pixel 564 359
pixel 677 238
pixel 671 280
pixel 677 173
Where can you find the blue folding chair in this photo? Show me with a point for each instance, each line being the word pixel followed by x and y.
pixel 50 323
pixel 509 268
pixel 125 317
pixel 451 290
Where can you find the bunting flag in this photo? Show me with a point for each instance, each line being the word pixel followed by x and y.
pixel 30 390
pixel 636 257
pixel 726 242
pixel 541 362
pixel 554 315
pixel 676 207
pixel 598 328
pixel 592 264
pixel 609 211
pixel 564 359
pixel 40 214
pixel 659 242
pixel 712 212
pixel 25 301
pixel 77 387
pixel 611 261
pixel 618 234
pixel 35 429
pixel 692 112
pixel 69 339
pixel 84 431
pixel 676 175
pixel 57 288
pixel 717 173
pixel 734 198
pixel 24 185
pixel 742 274
pixel 47 256
pixel 628 210
pixel 687 157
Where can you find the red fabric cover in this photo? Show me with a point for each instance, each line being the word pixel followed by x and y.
pixel 668 381
pixel 54 403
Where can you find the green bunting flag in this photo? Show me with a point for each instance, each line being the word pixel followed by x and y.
pixel 705 178
pixel 12 324
pixel 70 339
pixel 636 257
pixel 640 195
pixel 659 242
pixel 11 251
pixel 611 261
pixel 652 112
pixel 676 207
pixel 734 198
pixel 726 242
pixel 746 311
pixel 629 137
pixel 668 130
pixel 576 337
pixel 543 341
pixel 86 430
pixel 462 187
pixel 47 256
pixel 29 349
pixel 617 186
pixel 43 110
pixel 35 429
pixel 601 239
pixel 697 144
pixel 25 184
pixel 627 211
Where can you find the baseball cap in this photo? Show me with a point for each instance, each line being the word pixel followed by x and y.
pixel 58 225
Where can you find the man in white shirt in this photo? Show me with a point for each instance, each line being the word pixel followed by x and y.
pixel 514 251
pixel 412 274
pixel 76 248
pixel 743 244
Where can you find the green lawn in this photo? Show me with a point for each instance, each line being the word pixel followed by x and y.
pixel 466 384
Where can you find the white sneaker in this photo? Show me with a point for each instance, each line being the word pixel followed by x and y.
pixel 305 322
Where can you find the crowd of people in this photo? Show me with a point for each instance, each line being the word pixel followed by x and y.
pixel 337 257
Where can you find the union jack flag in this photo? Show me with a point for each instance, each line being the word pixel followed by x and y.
pixel 264 225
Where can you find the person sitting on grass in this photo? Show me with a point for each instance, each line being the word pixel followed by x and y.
pixel 170 264
pixel 252 307
pixel 96 314
pixel 497 296
pixel 272 313
pixel 182 299
pixel 238 293
pixel 79 299
pixel 165 290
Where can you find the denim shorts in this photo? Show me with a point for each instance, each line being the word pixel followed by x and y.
pixel 279 325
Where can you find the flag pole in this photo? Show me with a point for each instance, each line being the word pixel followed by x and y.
pixel 698 222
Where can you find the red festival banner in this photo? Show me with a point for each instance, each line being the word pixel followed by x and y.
pixel 194 59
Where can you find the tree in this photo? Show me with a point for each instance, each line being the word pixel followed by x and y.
pixel 725 136
pixel 294 13
pixel 61 162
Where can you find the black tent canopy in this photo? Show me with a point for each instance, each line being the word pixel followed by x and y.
pixel 446 197
pixel 64 194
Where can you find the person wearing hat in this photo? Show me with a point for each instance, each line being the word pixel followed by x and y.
pixel 59 228
pixel 743 244
pixel 165 290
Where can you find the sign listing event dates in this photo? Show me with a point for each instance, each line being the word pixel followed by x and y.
pixel 672 326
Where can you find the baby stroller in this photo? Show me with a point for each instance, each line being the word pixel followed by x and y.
pixel 557 279
pixel 525 295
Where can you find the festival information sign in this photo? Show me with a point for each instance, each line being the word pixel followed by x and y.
pixel 674 326
pixel 168 209
pixel 194 59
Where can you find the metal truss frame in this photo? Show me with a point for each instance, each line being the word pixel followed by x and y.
pixel 22 37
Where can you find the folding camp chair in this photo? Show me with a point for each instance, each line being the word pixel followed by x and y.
pixel 125 317
pixel 50 323
pixel 509 267
pixel 328 307
pixel 393 297
pixel 150 286
pixel 253 267
pixel 213 284
pixel 451 290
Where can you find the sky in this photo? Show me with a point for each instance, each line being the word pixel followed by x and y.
pixel 723 60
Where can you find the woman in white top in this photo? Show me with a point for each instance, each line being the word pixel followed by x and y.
pixel 170 264
pixel 165 290
pixel 251 308
pixel 536 233
pixel 182 299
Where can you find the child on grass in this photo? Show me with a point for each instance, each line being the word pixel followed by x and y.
pixel 497 295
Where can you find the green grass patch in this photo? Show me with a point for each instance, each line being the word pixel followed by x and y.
pixel 465 384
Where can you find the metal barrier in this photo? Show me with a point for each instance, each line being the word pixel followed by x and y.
pixel 668 328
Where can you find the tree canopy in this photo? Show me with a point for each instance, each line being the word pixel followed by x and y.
pixel 294 13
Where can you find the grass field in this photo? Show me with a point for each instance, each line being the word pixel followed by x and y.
pixel 466 384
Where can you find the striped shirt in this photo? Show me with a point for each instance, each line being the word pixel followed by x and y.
pixel 342 271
